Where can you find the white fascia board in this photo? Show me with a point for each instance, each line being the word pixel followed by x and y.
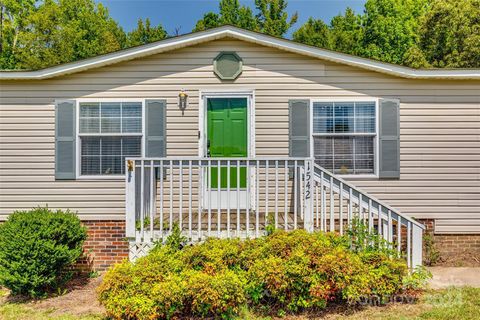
pixel 245 35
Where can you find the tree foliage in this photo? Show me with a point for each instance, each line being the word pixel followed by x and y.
pixel 450 34
pixel 416 33
pixel 55 32
pixel 271 18
pixel 145 33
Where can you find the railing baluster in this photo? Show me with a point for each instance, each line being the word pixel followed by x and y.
pixel 257 199
pixel 152 201
pixel 219 198
pixel 370 214
pixel 200 196
pixel 285 200
pixel 190 199
pixel 228 198
pixel 247 211
pixel 380 221
pixel 161 199
pixel 322 204
pixel 295 194
pixel 180 206
pixel 360 207
pixel 142 199
pixel 209 190
pixel 399 234
pixel 276 194
pixel 332 206
pixel 341 208
pixel 316 206
pixel 238 197
pixel 266 191
pixel 171 196
pixel 390 229
pixel 409 244
pixel 142 225
pixel 350 207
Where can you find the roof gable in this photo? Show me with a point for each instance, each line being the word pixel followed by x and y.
pixel 244 35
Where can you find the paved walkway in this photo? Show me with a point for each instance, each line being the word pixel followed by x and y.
pixel 444 277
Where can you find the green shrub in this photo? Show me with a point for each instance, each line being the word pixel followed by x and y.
pixel 218 294
pixel 283 272
pixel 36 247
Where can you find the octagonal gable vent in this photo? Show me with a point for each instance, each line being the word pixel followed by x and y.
pixel 227 65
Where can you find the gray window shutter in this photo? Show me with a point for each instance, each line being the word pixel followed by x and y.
pixel 65 146
pixel 299 128
pixel 155 115
pixel 389 136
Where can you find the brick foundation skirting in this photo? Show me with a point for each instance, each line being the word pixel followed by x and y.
pixel 105 245
pixel 454 247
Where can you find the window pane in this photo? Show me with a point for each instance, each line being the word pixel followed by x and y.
pixel 322 117
pixel 89 125
pixel 90 146
pixel 89 122
pixel 323 152
pixel 132 146
pixel 365 117
pixel 89 110
pixel 111 146
pixel 106 155
pixel 110 110
pixel 112 165
pixel 132 125
pixel 90 165
pixel 343 117
pixel 343 157
pixel 364 155
pixel 110 125
pixel 131 109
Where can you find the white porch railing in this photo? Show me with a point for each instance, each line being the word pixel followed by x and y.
pixel 285 193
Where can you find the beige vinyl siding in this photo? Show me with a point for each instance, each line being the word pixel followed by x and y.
pixel 440 125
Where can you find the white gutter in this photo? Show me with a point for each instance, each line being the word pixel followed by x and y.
pixel 245 35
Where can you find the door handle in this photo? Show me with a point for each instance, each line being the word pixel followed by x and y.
pixel 208 148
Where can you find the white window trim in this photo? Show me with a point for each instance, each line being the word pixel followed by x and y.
pixel 78 174
pixel 376 144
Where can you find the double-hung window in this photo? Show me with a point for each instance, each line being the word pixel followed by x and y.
pixel 108 133
pixel 344 136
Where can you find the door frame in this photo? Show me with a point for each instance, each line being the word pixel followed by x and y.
pixel 202 117
pixel 202 140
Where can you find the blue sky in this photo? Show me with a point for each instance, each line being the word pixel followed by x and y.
pixel 183 14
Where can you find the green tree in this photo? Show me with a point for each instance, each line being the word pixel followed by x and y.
pixel 13 20
pixel 230 12
pixel 346 32
pixel 145 33
pixel 450 34
pixel 314 32
pixel 391 28
pixel 387 31
pixel 59 31
pixel 273 18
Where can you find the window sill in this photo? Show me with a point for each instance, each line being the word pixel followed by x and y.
pixel 104 177
pixel 358 176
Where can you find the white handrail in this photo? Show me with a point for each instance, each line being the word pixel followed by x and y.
pixel 233 197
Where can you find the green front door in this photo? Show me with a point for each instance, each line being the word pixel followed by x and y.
pixel 227 136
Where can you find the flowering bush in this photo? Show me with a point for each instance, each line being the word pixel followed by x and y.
pixel 285 271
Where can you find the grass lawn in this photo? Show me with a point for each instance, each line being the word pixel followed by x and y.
pixel 452 303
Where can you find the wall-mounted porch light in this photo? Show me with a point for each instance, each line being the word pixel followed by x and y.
pixel 182 100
